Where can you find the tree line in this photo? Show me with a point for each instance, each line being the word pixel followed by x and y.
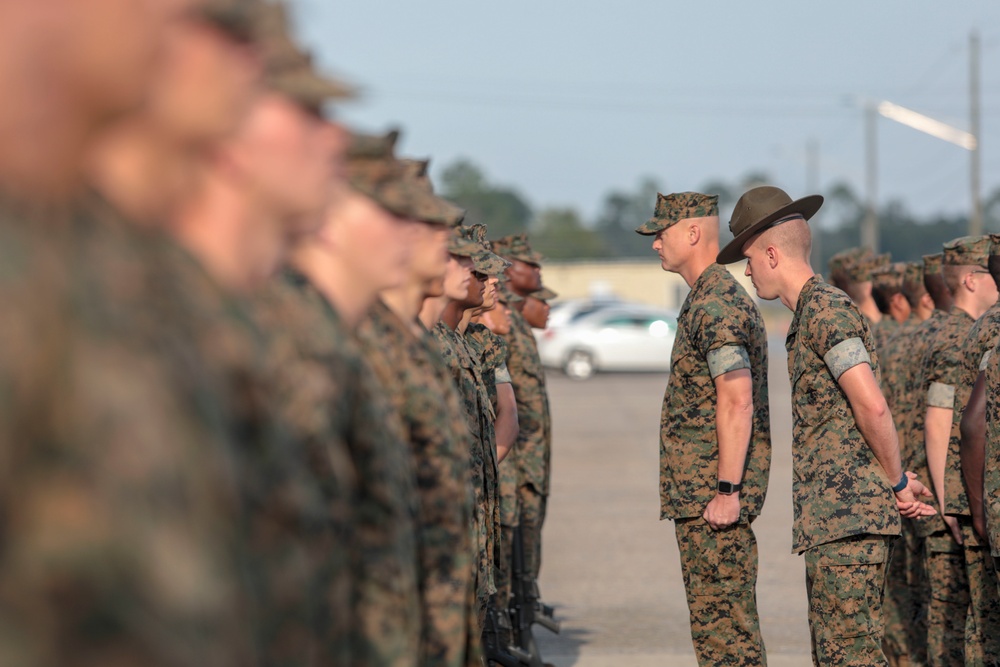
pixel 562 233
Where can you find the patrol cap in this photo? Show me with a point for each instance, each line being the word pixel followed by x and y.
pixel 913 277
pixel 460 243
pixel 237 18
pixel 505 294
pixel 483 260
pixel 486 262
pixel 672 208
pixel 839 263
pixel 543 294
pixel 430 208
pixel 994 244
pixel 967 251
pixel 932 264
pixel 861 270
pixel 515 246
pixel 888 279
pixel 287 68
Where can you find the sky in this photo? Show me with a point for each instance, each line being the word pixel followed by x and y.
pixel 565 101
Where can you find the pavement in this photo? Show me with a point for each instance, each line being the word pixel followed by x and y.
pixel 610 566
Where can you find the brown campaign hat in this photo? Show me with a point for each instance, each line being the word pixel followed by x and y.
pixel 759 209
pixel 672 208
pixel 932 264
pixel 516 246
pixel 289 69
pixel 967 251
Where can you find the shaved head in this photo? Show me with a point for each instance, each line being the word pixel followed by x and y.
pixel 792 238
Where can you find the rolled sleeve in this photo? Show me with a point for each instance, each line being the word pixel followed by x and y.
pixel 985 360
pixel 501 375
pixel 845 355
pixel 940 395
pixel 727 358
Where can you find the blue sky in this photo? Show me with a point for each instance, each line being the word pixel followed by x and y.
pixel 567 100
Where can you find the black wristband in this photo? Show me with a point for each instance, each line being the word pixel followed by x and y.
pixel 902 483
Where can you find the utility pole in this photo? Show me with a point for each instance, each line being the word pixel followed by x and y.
pixel 869 227
pixel 976 216
pixel 812 187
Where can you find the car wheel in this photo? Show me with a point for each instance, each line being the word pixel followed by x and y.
pixel 579 365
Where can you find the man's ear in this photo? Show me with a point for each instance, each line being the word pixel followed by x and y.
pixel 772 256
pixel 694 233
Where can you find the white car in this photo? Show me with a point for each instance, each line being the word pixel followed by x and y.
pixel 614 338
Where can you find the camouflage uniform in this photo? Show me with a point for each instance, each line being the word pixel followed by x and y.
pixel 120 540
pixel 982 631
pixel 945 560
pixel 991 476
pixel 533 448
pixel 719 330
pixel 491 351
pixel 421 389
pixel 845 512
pixel 467 374
pixel 340 421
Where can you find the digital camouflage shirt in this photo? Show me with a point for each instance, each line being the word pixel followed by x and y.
pixel 946 389
pixel 534 439
pixel 885 329
pixel 991 477
pixel 895 355
pixel 120 541
pixel 339 421
pixel 839 489
pixel 479 415
pixel 421 388
pixel 719 330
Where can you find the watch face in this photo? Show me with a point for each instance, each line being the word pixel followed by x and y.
pixel 725 487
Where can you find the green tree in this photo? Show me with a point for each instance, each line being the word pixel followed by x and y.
pixel 559 233
pixel 503 210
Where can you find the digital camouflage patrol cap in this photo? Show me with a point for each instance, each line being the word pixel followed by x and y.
pixel 486 262
pixel 516 247
pixel 932 264
pixel 505 294
pixel 543 294
pixel 433 209
pixel 288 69
pixel 461 244
pixel 672 208
pixel 236 18
pixel 861 270
pixel 967 251
pixel 888 279
pixel 913 277
pixel 994 244
pixel 839 263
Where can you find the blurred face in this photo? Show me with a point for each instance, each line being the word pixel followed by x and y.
pixel 290 157
pixel 497 319
pixel 524 277
pixel 759 268
pixel 429 256
pixel 670 245
pixel 374 244
pixel 536 312
pixel 457 278
pixel 985 288
pixel 112 47
pixel 205 83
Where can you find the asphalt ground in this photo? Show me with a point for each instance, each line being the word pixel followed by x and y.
pixel 610 566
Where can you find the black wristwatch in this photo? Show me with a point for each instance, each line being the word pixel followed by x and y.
pixel 728 488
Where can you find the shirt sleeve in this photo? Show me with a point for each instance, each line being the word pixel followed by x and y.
pixel 722 360
pixel 502 375
pixel 837 333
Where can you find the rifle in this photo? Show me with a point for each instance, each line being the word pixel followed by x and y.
pixel 525 605
pixel 496 641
